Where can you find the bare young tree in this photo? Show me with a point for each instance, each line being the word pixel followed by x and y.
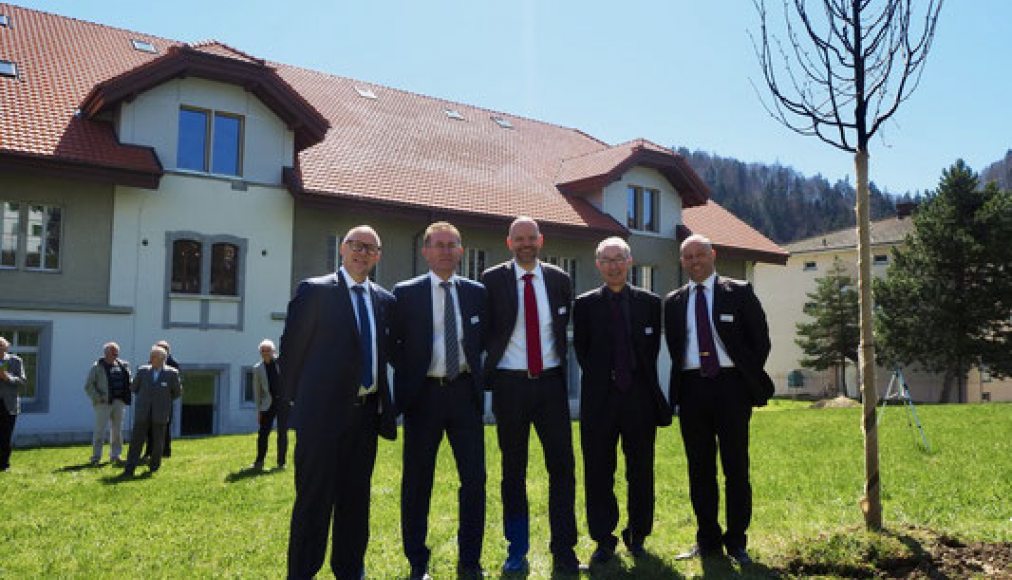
pixel 838 71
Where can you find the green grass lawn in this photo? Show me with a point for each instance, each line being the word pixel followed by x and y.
pixel 202 515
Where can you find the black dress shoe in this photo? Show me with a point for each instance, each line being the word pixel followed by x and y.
pixel 470 573
pixel 419 574
pixel 568 567
pixel 739 555
pixel 696 552
pixel 602 555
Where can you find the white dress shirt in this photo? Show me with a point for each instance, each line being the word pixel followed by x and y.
pixel 437 364
pixel 372 324
pixel 691 360
pixel 515 357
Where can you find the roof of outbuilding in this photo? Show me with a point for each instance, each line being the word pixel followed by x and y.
pixel 731 237
pixel 886 231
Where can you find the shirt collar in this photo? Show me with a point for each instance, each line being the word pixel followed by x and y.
pixel 519 272
pixel 708 283
pixel 351 281
pixel 436 280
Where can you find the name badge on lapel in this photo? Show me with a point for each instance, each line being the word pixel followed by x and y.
pixel 727 317
pixel 474 319
pixel 648 330
pixel 562 310
pixel 164 384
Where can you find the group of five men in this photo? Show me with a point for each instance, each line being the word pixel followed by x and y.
pixel 342 330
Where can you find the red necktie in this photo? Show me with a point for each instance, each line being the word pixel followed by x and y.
pixel 533 329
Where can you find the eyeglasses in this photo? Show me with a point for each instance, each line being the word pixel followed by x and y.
pixel 359 247
pixel 612 261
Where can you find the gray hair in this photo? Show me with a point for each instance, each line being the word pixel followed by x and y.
pixel 161 352
pixel 267 342
pixel 613 241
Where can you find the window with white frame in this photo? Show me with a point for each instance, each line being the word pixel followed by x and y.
pixel 473 264
pixel 210 141
pixel 30 236
pixel 643 276
pixel 810 267
pixel 566 263
pixel 642 209
pixel 880 260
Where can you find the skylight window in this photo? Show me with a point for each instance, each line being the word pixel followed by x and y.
pixel 143 46
pixel 5 20
pixel 503 122
pixel 8 69
pixel 454 114
pixel 365 92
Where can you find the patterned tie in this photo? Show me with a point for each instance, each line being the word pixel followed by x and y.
pixel 622 356
pixel 532 328
pixel 364 337
pixel 450 344
pixel 709 364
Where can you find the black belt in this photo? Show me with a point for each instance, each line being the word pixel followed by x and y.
pixel 518 374
pixel 443 381
pixel 698 374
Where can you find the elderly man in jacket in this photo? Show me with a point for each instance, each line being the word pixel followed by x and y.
pixel 108 387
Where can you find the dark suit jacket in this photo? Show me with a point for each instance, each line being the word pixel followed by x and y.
pixel 320 354
pixel 741 325
pixel 594 339
pixel 153 398
pixel 501 283
pixel 411 330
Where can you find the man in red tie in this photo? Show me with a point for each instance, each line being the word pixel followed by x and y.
pixel 718 339
pixel 529 304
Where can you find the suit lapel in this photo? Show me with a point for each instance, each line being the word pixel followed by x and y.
pixel 511 274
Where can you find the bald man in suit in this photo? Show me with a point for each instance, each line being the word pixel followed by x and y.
pixel 334 355
pixel 718 339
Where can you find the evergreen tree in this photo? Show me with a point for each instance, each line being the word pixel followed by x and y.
pixel 946 300
pixel 831 338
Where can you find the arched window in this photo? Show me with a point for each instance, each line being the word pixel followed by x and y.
pixel 224 269
pixel 186 256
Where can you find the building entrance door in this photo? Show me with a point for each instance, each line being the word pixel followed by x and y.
pixel 198 409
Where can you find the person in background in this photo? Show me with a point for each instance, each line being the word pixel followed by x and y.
pixel 108 387
pixel 12 380
pixel 155 386
pixel 271 405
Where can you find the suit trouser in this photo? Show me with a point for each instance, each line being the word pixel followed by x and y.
pixel 518 403
pixel 108 415
pixel 333 473
pixel 624 415
pixel 7 421
pixel 166 436
pixel 279 412
pixel 452 408
pixel 141 427
pixel 714 414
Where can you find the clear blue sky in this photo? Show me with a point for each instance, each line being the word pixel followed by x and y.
pixel 676 72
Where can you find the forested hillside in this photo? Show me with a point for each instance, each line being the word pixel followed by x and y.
pixel 1000 171
pixel 780 202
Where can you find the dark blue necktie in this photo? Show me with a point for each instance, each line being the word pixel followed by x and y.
pixel 450 344
pixel 364 336
pixel 709 364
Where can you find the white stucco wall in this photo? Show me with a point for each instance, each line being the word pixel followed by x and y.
pixel 614 200
pixel 152 119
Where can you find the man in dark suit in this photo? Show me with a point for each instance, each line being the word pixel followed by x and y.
pixel 167 427
pixel 616 336
pixel 529 305
pixel 155 386
pixel 437 336
pixel 334 356
pixel 718 339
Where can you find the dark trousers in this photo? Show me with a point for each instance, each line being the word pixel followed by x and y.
pixel 333 471
pixel 149 437
pixel 7 422
pixel 624 416
pixel 279 412
pixel 142 426
pixel 714 414
pixel 518 403
pixel 451 408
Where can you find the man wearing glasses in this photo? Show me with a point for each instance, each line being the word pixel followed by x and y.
pixel 333 351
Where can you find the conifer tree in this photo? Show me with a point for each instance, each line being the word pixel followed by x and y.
pixel 831 338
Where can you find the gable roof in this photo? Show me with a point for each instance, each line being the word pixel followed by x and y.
pixel 731 237
pixel 886 231
pixel 398 151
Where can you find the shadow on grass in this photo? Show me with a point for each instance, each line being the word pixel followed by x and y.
pixel 722 567
pixel 80 467
pixel 250 472
pixel 122 477
pixel 646 566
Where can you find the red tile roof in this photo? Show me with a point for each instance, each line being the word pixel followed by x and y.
pixel 731 237
pixel 398 150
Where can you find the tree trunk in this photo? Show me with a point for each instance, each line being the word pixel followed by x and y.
pixel 947 384
pixel 871 504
